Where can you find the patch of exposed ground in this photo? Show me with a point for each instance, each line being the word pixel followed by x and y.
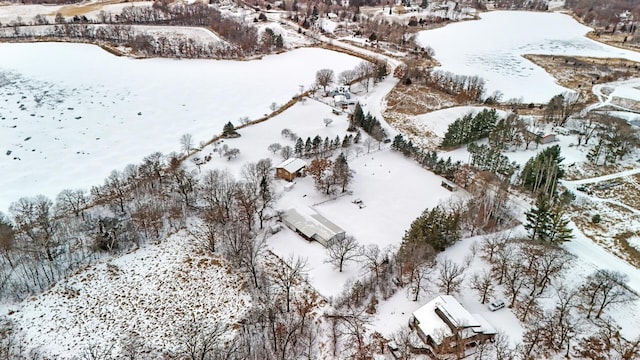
pixel 406 101
pixel 581 73
pixel 625 190
pixel 73 10
pixel 620 40
pixel 586 170
pixel 612 230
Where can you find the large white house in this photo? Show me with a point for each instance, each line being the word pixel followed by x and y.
pixel 446 328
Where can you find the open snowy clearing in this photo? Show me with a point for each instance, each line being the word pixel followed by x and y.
pixel 384 181
pixel 97 112
pixel 487 49
pixel 150 295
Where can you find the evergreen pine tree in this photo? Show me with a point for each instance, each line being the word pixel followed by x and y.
pixel 299 148
pixel 539 220
pixel 559 230
pixel 541 173
pixel 356 118
pixel 356 140
pixel 229 130
pixel 341 171
pixel 307 147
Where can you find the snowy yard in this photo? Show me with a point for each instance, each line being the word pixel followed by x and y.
pixel 393 189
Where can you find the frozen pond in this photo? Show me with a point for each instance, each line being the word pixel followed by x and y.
pixel 492 48
pixel 72 113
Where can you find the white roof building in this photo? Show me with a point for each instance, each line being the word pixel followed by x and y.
pixel 292 164
pixel 312 226
pixel 290 169
pixel 437 321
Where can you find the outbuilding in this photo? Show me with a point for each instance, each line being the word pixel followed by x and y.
pixel 312 226
pixel 291 169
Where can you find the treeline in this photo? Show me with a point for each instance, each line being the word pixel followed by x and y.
pixel 532 5
pixel 369 123
pixel 427 159
pixel 43 242
pixel 603 13
pixel 463 87
pixel 241 39
pixel 470 128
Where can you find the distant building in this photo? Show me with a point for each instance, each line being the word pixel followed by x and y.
pixel 312 226
pixel 544 137
pixel 291 169
pixel 449 185
pixel 548 138
pixel 446 329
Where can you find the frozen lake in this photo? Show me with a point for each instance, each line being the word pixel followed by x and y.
pixel 72 113
pixel 492 48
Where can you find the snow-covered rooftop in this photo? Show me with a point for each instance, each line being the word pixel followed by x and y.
pixel 292 165
pixel 312 225
pixel 433 325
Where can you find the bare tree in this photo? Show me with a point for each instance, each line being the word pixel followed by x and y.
pixel 419 275
pixel 373 258
pixel 450 276
pixel 365 71
pixel 198 340
pixel 483 283
pixel 288 275
pixel 341 250
pixel 324 78
pixel 286 152
pixel 72 201
pixel 251 257
pixel 346 77
pixel 603 288
pixel 491 244
pixel 186 142
pixel 35 221
pixel 275 147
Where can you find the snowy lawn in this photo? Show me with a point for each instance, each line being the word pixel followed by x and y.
pixel 148 294
pixel 97 112
pixel 393 189
pixel 492 48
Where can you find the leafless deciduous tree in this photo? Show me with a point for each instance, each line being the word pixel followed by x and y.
pixel 450 276
pixel 324 78
pixel 341 250
pixel 186 143
pixel 482 282
pixel 199 340
pixel 35 221
pixel 286 276
pixel 346 77
pixel 604 288
pixel 71 201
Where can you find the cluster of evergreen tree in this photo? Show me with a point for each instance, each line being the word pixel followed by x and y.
pixel 470 128
pixel 438 228
pixel 546 221
pixel 428 159
pixel 368 123
pixel 318 147
pixel 490 158
pixel 541 173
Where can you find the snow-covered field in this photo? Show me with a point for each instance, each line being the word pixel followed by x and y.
pixel 384 180
pixel 149 296
pixel 71 127
pixel 492 48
